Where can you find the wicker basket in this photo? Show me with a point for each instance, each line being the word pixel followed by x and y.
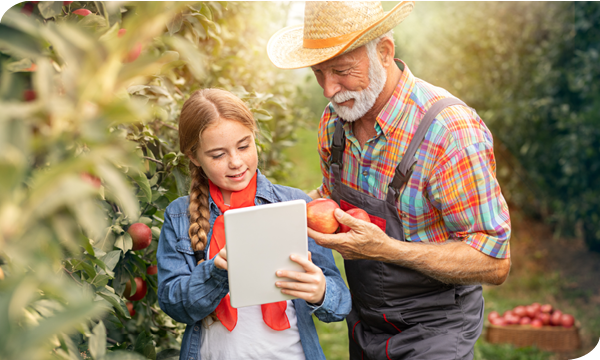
pixel 547 338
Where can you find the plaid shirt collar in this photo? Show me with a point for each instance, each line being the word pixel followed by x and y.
pixel 388 118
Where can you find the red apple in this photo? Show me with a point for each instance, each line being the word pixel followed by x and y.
pixel 493 315
pixel 356 213
pixel 555 318
pixel 29 95
pixel 499 321
pixel 567 320
pixel 130 308
pixel 536 323
pixel 134 53
pixel 319 215
pixel 65 3
pixel 525 320
pixel 520 311
pixel 152 270
pixel 82 12
pixel 532 310
pixel 121 32
pixel 544 318
pixel 27 9
pixel 91 179
pixel 140 291
pixel 141 236
pixel 546 308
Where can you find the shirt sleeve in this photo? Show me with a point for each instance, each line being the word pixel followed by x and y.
pixel 324 141
pixel 465 190
pixel 186 292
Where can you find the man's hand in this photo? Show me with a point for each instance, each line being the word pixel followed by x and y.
pixel 309 285
pixel 363 241
pixel 453 262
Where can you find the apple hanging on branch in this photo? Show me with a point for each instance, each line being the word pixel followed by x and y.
pixel 141 235
pixel 141 289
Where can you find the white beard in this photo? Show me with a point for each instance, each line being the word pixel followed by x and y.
pixel 364 99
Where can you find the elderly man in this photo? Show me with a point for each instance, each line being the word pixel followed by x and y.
pixel 421 163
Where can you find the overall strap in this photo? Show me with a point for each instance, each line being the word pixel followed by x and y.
pixel 405 168
pixel 338 143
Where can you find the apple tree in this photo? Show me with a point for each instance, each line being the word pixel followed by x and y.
pixel 90 94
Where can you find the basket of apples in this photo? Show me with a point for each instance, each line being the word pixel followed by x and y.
pixel 540 325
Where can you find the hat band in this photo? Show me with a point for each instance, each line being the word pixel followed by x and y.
pixel 329 42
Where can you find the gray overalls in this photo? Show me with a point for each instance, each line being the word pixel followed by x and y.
pixel 399 313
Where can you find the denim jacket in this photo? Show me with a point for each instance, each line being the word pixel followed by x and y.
pixel 188 292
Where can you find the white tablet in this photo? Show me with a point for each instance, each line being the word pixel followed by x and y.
pixel 259 241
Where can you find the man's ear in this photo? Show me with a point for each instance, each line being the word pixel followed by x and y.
pixel 386 51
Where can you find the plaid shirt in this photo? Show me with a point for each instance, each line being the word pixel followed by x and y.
pixel 453 192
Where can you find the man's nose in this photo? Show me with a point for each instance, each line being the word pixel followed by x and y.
pixel 330 86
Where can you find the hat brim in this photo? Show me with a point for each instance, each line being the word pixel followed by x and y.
pixel 286 50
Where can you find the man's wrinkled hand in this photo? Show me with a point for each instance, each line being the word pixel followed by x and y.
pixel 363 241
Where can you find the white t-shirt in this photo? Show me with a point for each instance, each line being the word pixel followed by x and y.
pixel 252 338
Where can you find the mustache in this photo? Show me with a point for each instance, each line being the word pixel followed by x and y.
pixel 342 96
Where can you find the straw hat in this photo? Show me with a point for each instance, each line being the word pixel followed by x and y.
pixel 332 28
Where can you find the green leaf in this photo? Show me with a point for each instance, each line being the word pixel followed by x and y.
pixel 195 60
pixel 124 355
pixel 19 65
pixel 120 189
pixel 262 115
pixel 145 346
pixel 142 181
pixel 115 301
pixel 155 232
pixel 101 280
pixel 182 181
pixel 124 242
pixel 98 341
pixel 107 242
pixel 111 259
pixel 174 25
pixel 168 354
pixel 18 43
pixel 50 9
pixel 205 10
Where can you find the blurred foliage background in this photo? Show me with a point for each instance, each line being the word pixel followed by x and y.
pixel 90 94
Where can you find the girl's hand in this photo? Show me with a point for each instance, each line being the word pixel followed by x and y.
pixel 309 286
pixel 221 259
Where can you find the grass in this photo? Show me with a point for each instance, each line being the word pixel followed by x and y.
pixel 536 276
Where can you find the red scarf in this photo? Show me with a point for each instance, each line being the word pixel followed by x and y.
pixel 274 313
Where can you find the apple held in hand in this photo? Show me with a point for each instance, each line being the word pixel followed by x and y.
pixel 356 213
pixel 140 291
pixel 319 215
pixel 141 236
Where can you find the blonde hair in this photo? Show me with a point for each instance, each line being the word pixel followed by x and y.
pixel 204 108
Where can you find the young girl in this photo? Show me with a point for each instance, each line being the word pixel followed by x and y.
pixel 216 132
